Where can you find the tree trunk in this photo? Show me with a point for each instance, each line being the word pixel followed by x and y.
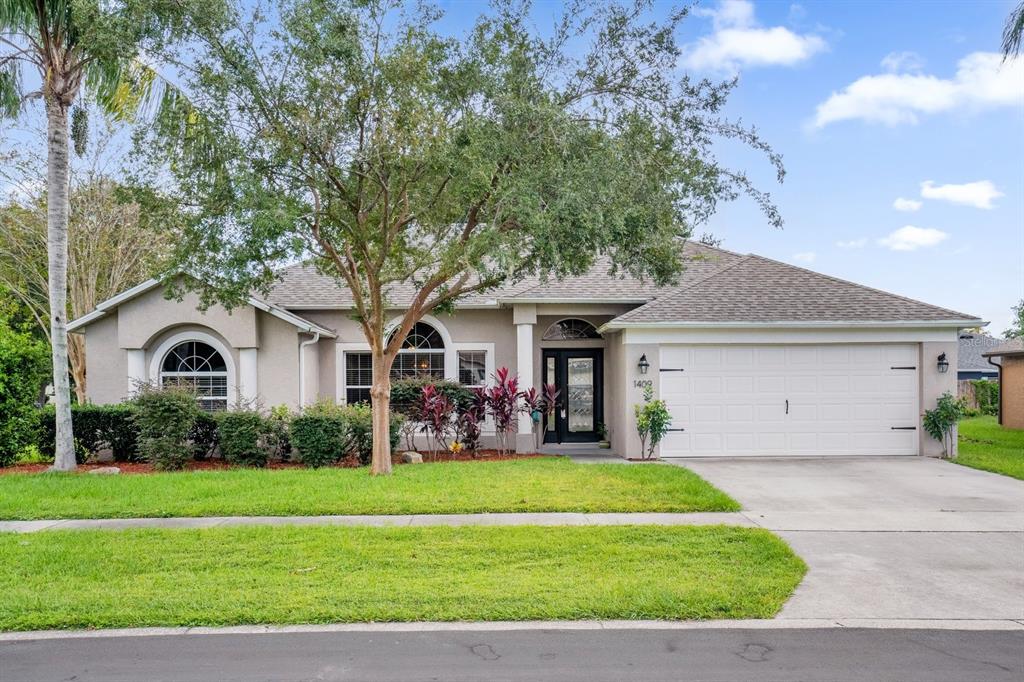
pixel 380 403
pixel 57 252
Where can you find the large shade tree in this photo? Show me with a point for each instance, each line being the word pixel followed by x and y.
pixel 358 135
pixel 64 50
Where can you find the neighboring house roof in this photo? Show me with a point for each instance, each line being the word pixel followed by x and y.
pixel 757 290
pixel 969 356
pixel 112 303
pixel 1011 347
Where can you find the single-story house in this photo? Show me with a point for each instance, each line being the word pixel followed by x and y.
pixel 1009 358
pixel 754 357
pixel 970 362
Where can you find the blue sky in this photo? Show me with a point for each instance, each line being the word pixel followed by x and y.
pixel 878 139
pixel 870 103
pixel 865 103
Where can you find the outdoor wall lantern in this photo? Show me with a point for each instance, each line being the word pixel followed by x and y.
pixel 943 363
pixel 643 365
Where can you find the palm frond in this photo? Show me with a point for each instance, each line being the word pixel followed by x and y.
pixel 18 16
pixel 10 90
pixel 1013 33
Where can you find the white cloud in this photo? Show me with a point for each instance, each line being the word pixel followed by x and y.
pixel 978 194
pixel 910 238
pixel 902 204
pixel 896 62
pixel 853 243
pixel 805 256
pixel 982 81
pixel 739 41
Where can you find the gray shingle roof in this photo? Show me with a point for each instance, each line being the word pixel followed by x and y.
pixel 757 289
pixel 969 356
pixel 716 286
pixel 1008 347
pixel 301 286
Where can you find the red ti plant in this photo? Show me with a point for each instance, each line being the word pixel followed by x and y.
pixel 550 401
pixel 503 402
pixel 533 408
pixel 470 420
pixel 435 411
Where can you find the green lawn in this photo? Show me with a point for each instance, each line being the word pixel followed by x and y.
pixel 984 444
pixel 224 576
pixel 525 485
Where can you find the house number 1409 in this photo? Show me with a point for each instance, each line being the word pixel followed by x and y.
pixel 642 383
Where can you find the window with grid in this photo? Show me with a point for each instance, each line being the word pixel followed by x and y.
pixel 472 367
pixel 201 368
pixel 358 377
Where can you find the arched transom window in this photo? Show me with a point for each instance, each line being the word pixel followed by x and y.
pixel 201 367
pixel 422 354
pixel 565 330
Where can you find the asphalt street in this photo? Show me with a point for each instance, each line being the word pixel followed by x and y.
pixel 729 655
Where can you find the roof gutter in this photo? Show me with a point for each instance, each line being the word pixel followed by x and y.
pixel 302 367
pixel 794 324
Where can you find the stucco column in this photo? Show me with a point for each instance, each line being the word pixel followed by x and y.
pixel 248 390
pixel 136 369
pixel 934 384
pixel 525 318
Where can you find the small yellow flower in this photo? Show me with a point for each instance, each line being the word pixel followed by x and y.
pixel 455 447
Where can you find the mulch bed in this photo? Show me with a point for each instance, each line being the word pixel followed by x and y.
pixel 221 465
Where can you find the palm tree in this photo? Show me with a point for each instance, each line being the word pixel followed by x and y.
pixel 1013 33
pixel 77 48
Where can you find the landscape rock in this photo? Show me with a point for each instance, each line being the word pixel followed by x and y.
pixel 412 458
pixel 105 470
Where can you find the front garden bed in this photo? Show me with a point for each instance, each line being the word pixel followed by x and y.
pixel 540 484
pixel 229 576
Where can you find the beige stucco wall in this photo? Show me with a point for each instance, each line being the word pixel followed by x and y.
pixel 106 368
pixel 934 384
pixel 150 314
pixel 1012 395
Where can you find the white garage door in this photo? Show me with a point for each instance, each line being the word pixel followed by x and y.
pixel 850 399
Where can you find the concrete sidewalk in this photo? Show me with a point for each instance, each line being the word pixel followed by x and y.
pixel 537 519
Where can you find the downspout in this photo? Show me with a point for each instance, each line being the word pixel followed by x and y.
pixel 302 365
pixel 996 364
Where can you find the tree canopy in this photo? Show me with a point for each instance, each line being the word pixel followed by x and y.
pixel 359 135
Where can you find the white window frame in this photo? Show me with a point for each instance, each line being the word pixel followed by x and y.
pixel 161 351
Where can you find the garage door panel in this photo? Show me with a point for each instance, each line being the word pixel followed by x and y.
pixel 843 399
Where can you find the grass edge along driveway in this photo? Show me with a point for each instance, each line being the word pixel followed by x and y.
pixel 287 575
pixel 524 485
pixel 986 445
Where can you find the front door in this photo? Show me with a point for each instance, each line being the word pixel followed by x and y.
pixel 578 374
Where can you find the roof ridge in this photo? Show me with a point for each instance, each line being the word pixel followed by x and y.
pixel 678 291
pixel 840 280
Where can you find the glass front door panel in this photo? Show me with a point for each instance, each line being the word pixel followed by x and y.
pixel 551 379
pixel 581 394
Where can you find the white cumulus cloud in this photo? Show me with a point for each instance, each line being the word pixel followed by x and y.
pixel 982 81
pixel 979 194
pixel 853 243
pixel 895 62
pixel 739 41
pixel 805 256
pixel 902 204
pixel 910 238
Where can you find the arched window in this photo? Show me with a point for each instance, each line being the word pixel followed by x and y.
pixel 572 328
pixel 201 367
pixel 422 354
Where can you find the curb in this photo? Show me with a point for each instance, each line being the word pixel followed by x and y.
pixel 508 626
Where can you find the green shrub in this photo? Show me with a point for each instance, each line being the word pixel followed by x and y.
pixel 359 429
pixel 46 434
pixel 405 393
pixel 241 438
pixel 164 417
pixel 24 368
pixel 319 437
pixel 652 422
pixel 939 423
pixel 203 436
pixel 277 436
pixel 986 394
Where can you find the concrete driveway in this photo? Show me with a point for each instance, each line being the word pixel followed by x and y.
pixel 888 538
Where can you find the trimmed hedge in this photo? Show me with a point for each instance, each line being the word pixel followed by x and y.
pixel 95 427
pixel 24 367
pixel 204 436
pixel 406 392
pixel 359 425
pixel 319 438
pixel 164 417
pixel 241 435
